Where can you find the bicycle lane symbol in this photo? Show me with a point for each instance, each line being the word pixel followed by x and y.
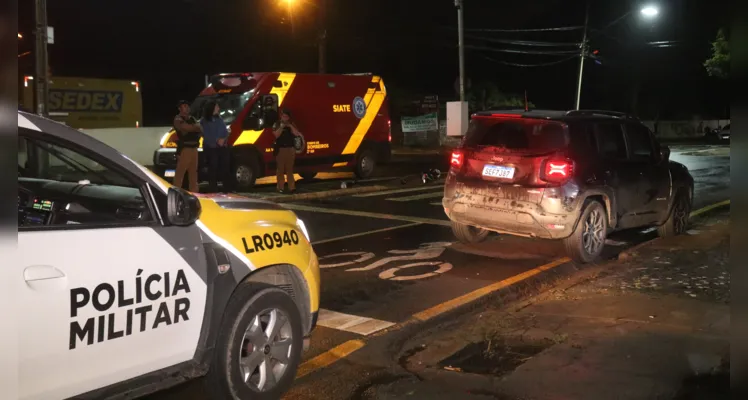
pixel 427 251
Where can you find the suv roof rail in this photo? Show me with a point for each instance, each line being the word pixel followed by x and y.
pixel 601 112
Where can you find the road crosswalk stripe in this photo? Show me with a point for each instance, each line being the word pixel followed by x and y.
pixel 396 191
pixel 417 197
pixel 351 323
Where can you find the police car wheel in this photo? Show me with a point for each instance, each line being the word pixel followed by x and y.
pixel 259 345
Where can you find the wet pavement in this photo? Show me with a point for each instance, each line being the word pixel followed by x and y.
pixel 388 255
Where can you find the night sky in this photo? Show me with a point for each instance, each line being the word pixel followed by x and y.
pixel 169 45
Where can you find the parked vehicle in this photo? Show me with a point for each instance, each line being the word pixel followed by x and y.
pixel 724 133
pixel 574 176
pixel 344 121
pixel 193 285
pixel 89 103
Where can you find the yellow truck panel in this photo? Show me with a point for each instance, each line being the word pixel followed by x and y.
pixel 90 103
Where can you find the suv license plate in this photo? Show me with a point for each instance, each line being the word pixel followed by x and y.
pixel 169 173
pixel 498 171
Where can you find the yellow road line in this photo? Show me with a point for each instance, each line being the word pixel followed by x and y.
pixel 392 228
pixel 418 197
pixel 709 208
pixel 431 221
pixel 329 357
pixel 484 291
pixel 395 191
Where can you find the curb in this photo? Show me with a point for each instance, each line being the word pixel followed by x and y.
pixel 326 193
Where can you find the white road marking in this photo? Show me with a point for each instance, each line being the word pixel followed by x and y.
pixel 417 197
pixel 351 323
pixel 390 273
pixel 395 191
pixel 362 256
pixel 365 233
pixel 431 221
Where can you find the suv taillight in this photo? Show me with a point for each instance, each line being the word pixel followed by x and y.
pixel 557 170
pixel 458 158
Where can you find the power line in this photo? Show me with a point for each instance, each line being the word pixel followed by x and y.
pixel 562 28
pixel 526 42
pixel 548 53
pixel 530 65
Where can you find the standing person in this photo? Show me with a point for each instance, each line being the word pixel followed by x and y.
pixel 188 140
pixel 215 148
pixel 285 132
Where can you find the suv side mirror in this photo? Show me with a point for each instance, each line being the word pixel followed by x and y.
pixel 182 207
pixel 664 153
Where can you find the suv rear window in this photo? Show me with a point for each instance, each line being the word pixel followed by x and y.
pixel 517 134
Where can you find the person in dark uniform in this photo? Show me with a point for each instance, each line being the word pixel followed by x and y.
pixel 215 148
pixel 188 140
pixel 285 132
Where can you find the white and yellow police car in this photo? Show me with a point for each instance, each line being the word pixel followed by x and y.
pixel 127 285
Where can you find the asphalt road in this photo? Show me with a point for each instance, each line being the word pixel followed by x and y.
pixel 389 255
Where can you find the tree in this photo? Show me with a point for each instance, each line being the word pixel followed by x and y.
pixel 486 95
pixel 718 65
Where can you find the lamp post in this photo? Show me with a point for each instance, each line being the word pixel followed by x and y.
pixel 289 4
pixel 461 45
pixel 41 63
pixel 649 12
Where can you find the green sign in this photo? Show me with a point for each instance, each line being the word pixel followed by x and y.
pixel 421 123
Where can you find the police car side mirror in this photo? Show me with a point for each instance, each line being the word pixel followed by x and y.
pixel 182 207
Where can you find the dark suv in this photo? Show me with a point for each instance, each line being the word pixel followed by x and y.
pixel 569 175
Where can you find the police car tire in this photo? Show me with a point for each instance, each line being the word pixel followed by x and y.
pixel 224 379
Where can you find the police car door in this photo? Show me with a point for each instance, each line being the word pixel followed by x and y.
pixel 106 293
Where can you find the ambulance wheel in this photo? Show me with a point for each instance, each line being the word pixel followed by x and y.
pixel 307 175
pixel 259 345
pixel 246 169
pixel 365 163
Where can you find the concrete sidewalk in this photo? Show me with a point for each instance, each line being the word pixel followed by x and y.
pixel 655 326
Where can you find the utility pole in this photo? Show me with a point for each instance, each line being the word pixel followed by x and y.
pixel 322 40
pixel 461 45
pixel 582 54
pixel 41 63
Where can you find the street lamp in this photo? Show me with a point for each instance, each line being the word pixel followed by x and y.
pixel 650 11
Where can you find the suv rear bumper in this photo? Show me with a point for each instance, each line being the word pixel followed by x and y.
pixel 548 219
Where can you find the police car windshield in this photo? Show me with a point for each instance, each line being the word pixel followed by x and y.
pixel 231 105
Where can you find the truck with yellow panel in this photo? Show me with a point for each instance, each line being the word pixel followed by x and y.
pixel 344 121
pixel 90 103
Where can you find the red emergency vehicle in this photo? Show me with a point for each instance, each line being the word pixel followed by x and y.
pixel 344 121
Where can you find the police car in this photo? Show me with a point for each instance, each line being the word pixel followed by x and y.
pixel 127 285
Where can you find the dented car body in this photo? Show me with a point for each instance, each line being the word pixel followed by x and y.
pixel 535 174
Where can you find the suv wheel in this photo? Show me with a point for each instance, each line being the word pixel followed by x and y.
pixel 468 233
pixel 588 239
pixel 677 222
pixel 259 345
